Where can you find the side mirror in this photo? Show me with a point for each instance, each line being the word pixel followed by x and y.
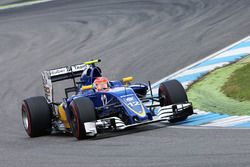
pixel 127 80
pixel 87 87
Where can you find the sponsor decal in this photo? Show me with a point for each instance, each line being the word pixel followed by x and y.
pixel 129 99
pixel 104 99
pixel 47 86
pixel 79 67
pixel 65 70
pixel 59 71
pixel 47 89
pixel 128 95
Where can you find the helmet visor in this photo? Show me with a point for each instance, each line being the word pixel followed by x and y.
pixel 102 86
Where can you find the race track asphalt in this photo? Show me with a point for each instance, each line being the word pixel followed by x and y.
pixel 147 39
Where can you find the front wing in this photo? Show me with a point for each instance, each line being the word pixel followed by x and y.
pixel 165 113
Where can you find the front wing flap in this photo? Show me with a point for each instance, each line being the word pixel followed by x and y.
pixel 175 111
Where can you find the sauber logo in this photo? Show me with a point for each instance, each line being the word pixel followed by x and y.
pixel 58 71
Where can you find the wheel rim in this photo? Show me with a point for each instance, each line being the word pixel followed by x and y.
pixel 25 119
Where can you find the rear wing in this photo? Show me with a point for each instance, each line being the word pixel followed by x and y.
pixel 63 73
pixel 67 72
pixel 59 74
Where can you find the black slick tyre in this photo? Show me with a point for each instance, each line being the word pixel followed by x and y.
pixel 82 111
pixel 36 116
pixel 172 92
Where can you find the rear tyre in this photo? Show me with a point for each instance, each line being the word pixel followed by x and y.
pixel 82 111
pixel 36 116
pixel 172 92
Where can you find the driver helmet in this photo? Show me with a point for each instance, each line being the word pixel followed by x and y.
pixel 101 84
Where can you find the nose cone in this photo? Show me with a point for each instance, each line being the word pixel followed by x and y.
pixel 134 105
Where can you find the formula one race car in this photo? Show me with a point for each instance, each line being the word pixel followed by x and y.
pixel 98 104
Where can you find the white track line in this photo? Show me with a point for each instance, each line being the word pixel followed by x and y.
pixel 200 69
pixel 186 84
pixel 244 50
pixel 198 62
pixel 199 112
pixel 229 121
pixel 4 7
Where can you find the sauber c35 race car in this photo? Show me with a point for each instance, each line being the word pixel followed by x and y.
pixel 98 104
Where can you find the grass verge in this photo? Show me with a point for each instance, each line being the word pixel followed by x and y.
pixel 237 86
pixel 208 93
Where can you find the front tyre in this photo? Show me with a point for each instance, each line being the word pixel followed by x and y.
pixel 172 92
pixel 82 111
pixel 36 116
